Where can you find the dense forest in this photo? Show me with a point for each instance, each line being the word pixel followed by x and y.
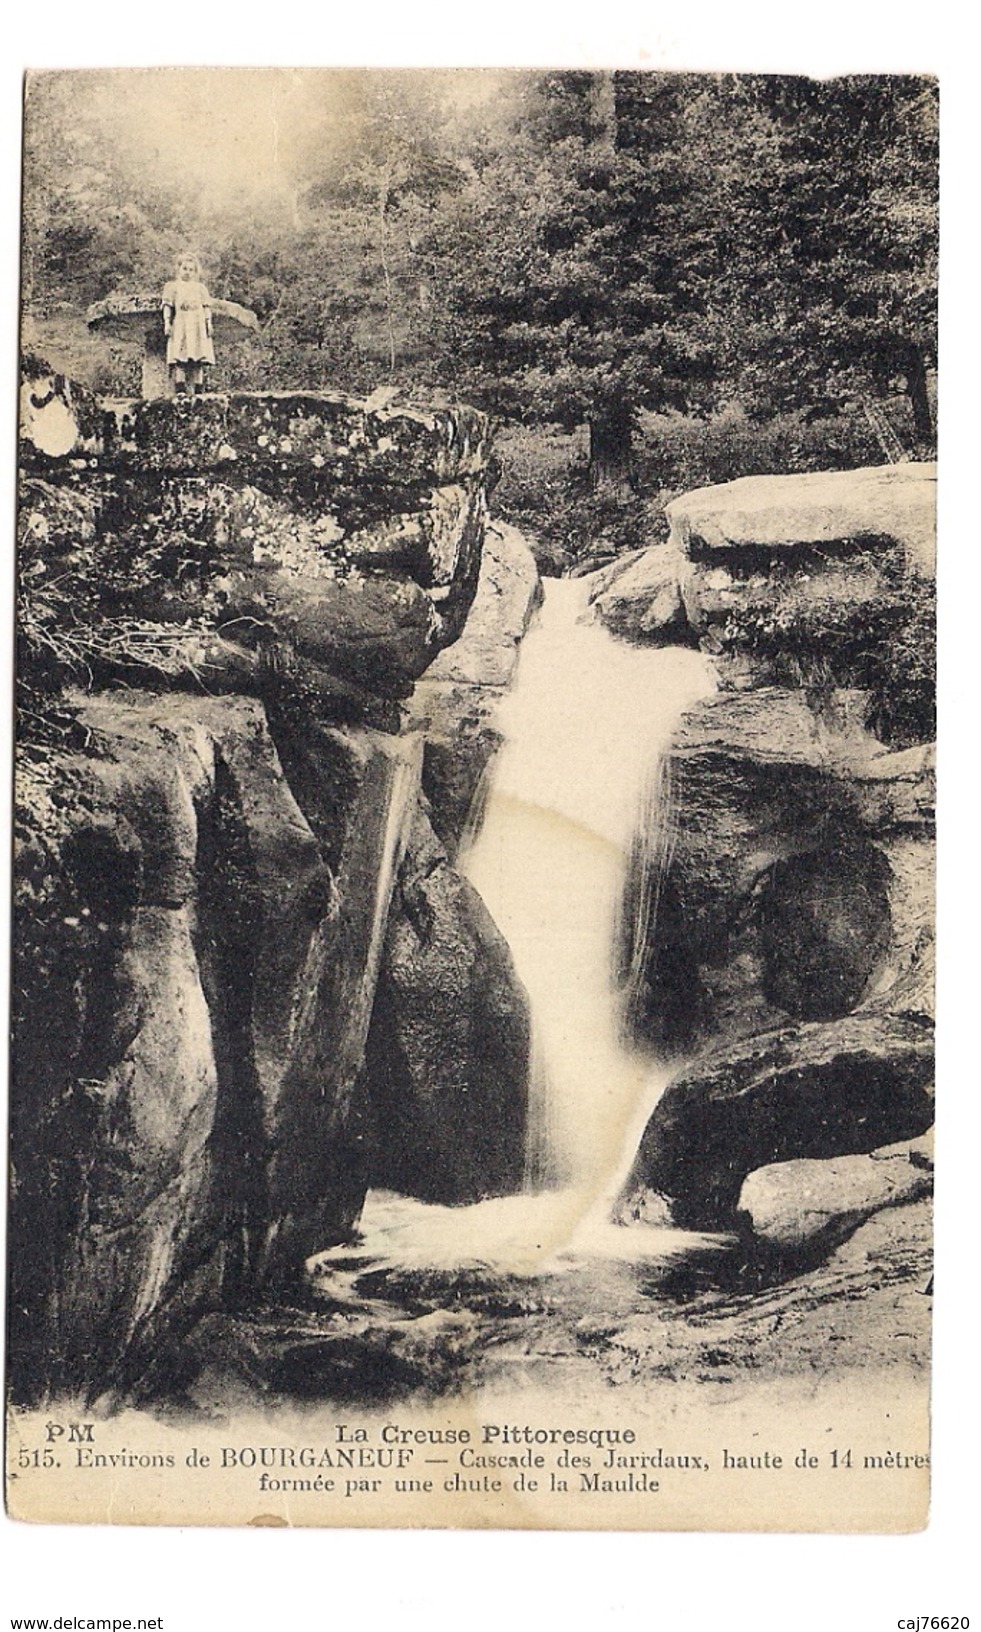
pixel 653 279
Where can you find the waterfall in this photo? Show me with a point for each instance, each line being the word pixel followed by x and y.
pixel 585 728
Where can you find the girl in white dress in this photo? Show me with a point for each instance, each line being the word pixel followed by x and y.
pixel 187 325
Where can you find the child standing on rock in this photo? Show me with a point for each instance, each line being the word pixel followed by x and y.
pixel 187 325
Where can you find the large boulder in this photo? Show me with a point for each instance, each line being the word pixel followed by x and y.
pixel 117 1080
pixel 795 1207
pixel 824 924
pixel 642 596
pixel 789 952
pixel 262 536
pixel 378 634
pixel 813 1090
pixel 281 578
pixel 508 591
pixel 337 442
pixel 448 1051
pixel 894 503
pixel 359 791
pixel 344 444
pixel 816 580
pixel 792 870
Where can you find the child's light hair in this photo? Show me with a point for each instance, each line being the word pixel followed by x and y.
pixel 188 255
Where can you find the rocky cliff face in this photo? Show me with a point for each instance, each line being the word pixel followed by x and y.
pixel 213 827
pixel 448 1050
pixel 455 701
pixel 279 543
pixel 195 979
pixel 791 957
pixel 822 581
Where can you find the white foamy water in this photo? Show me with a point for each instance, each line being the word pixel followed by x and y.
pixel 585 725
pixel 531 1237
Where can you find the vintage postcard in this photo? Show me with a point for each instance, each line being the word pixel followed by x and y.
pixel 474 808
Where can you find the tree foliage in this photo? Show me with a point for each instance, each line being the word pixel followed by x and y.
pixel 569 293
pixel 825 195
pixel 563 247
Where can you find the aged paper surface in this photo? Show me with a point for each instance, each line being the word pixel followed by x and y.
pixel 472 977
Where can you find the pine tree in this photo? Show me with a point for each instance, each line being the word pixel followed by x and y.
pixel 828 240
pixel 571 289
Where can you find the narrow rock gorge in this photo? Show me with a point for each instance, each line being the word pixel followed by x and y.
pixel 264 641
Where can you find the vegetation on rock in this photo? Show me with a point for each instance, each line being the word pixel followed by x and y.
pixel 884 645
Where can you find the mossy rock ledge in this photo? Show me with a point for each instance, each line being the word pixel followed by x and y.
pixel 223 845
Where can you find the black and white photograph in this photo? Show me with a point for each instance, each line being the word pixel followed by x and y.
pixel 473 882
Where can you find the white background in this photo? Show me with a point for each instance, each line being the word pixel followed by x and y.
pixel 324 1579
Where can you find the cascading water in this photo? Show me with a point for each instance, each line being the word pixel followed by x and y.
pixel 584 729
pixel 584 726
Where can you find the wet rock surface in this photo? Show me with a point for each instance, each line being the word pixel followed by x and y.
pixel 372 1357
pixel 808 1091
pixel 741 1322
pixel 449 1049
pixel 865 1307
pixel 455 701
